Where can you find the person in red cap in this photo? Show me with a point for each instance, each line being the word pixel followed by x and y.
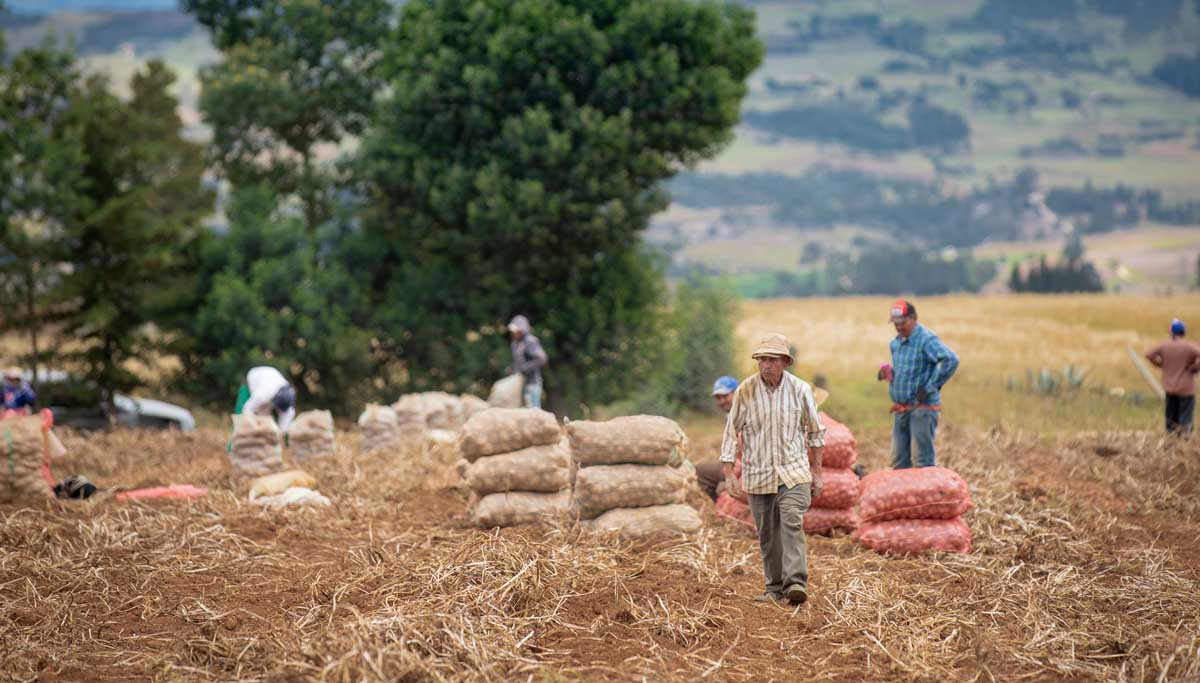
pixel 1179 360
pixel 921 366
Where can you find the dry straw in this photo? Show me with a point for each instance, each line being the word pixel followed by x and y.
pixel 391 584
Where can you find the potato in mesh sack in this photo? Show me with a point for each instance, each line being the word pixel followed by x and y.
pixel 472 404
pixel 24 455
pixel 637 439
pixel 508 392
pixel 915 536
pixel 840 489
pixel 657 520
pixel 311 436
pixel 841 448
pixel 824 520
pixel 917 493
pixel 256 448
pixel 380 429
pixel 607 487
pixel 537 468
pixel 519 507
pixel 503 430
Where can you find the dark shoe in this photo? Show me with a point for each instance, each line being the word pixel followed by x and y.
pixel 796 594
pixel 768 597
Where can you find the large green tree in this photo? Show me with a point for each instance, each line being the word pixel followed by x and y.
pixel 41 152
pixel 515 164
pixel 125 249
pixel 297 79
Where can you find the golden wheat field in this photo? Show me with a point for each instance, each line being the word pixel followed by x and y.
pixel 1084 568
pixel 998 339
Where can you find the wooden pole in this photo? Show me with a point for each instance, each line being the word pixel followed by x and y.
pixel 1140 364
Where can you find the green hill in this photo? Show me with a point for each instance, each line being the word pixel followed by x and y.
pixel 923 124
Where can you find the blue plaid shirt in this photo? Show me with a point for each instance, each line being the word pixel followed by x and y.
pixel 920 362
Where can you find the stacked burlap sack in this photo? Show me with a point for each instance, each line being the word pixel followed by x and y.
pixel 311 436
pixel 911 511
pixel 519 470
pixel 25 458
pixel 380 429
pixel 835 507
pixel 633 476
pixel 436 411
pixel 256 449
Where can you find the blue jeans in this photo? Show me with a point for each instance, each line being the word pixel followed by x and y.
pixel 920 425
pixel 533 395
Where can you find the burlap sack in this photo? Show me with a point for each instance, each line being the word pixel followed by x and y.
pixel 508 392
pixel 311 436
pixel 472 404
pixel 503 430
pixel 538 468
pixel 520 507
pixel 607 487
pixel 841 448
pixel 380 429
pixel 649 521
pixel 256 445
pixel 24 451
pixel 638 439
pixel 825 520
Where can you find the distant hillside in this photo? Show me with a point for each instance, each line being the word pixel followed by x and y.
pixel 929 124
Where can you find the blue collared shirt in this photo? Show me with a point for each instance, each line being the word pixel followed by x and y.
pixel 920 362
pixel 18 397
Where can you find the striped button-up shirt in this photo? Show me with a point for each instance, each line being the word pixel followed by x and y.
pixel 920 363
pixel 777 427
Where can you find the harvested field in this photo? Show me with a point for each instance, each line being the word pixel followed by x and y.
pixel 1084 568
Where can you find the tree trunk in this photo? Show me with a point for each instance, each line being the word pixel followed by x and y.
pixel 31 317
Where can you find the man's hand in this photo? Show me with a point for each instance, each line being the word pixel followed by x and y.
pixel 734 488
pixel 818 484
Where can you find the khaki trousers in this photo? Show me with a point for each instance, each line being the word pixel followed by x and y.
pixel 780 520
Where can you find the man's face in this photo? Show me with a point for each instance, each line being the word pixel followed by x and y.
pixel 517 335
pixel 770 368
pixel 905 327
pixel 724 401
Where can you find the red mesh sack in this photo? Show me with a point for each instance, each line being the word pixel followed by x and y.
pixel 915 536
pixel 840 491
pixel 841 448
pixel 824 520
pixel 732 508
pixel 920 493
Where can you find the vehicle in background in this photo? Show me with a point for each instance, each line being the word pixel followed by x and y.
pixel 80 404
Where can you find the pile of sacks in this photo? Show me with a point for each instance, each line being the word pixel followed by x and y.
pixel 256 449
pixel 633 476
pixel 911 511
pixel 436 411
pixel 311 436
pixel 518 468
pixel 380 429
pixel 835 507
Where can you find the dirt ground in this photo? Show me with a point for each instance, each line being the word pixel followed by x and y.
pixel 1084 567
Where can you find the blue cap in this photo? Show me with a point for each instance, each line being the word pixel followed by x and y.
pixel 724 385
pixel 1177 328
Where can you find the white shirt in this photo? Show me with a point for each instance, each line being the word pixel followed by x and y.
pixel 777 427
pixel 264 382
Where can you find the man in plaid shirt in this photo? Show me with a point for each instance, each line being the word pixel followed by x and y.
pixel 774 418
pixel 921 365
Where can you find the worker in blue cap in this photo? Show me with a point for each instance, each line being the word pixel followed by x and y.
pixel 1179 360
pixel 709 474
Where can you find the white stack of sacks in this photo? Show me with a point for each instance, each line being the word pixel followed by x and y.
pixel 519 470
pixel 380 429
pixel 310 436
pixel 435 414
pixel 256 449
pixel 633 476
pixel 835 508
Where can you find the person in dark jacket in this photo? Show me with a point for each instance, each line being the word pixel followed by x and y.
pixel 528 359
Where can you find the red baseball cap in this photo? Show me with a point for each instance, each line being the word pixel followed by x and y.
pixel 902 309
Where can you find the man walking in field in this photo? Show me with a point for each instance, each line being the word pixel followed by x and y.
pixel 781 436
pixel 921 366
pixel 1179 360
pixel 528 359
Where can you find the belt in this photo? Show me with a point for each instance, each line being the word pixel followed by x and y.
pixel 901 408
